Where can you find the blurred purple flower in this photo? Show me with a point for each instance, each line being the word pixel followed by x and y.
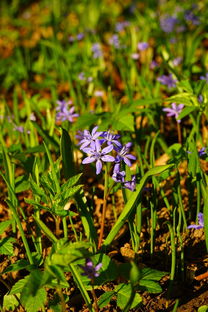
pixel 177 61
pixel 167 80
pixel 80 36
pixel 123 154
pixel 96 50
pixel 121 25
pixel 142 46
pixel 81 76
pixel 131 185
pixel 153 64
pixel 204 77
pixel 87 139
pixel 167 23
pixel 135 56
pixel 32 117
pixel 200 98
pixel 98 155
pixel 191 17
pixel 98 93
pixel 114 41
pixel 174 111
pixel 202 152
pixel 64 112
pixel 200 221
pixel 90 270
pixel 19 129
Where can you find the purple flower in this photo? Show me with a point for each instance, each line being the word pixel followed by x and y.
pixel 142 46
pixel 174 111
pixel 131 185
pixel 19 129
pixel 153 64
pixel 67 115
pixel 88 139
pixel 111 139
pixel 167 80
pixel 121 25
pixel 114 41
pixel 80 36
pixel 123 154
pixel 191 17
pixel 204 77
pixel 135 56
pixel 96 50
pixel 64 113
pixel 32 117
pixel 90 270
pixel 81 76
pixel 167 23
pixel 200 221
pixel 98 155
pixel 118 176
pixel 177 61
pixel 202 152
pixel 98 93
pixel 200 98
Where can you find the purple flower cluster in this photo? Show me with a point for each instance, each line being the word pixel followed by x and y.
pixel 98 145
pixel 90 270
pixel 63 112
pixel 168 23
pixel 200 221
pixel 78 37
pixel 114 41
pixel 83 77
pixel 167 80
pixel 120 26
pixel 142 46
pixel 96 51
pixel 174 111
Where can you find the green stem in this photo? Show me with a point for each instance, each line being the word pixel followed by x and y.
pixel 81 287
pixel 173 257
pixel 19 225
pixel 104 208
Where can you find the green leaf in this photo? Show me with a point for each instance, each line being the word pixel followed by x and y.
pixel 34 303
pixel 186 111
pixel 150 286
pixel 203 308
pixel 132 201
pixel 124 294
pixel 18 286
pixel 44 134
pixel 151 274
pixel 105 298
pixel 4 225
pixel 125 123
pixel 67 154
pixel 10 302
pixel 6 246
pixel 70 182
pixel 18 265
pixel 33 295
pixel 86 120
pixel 69 252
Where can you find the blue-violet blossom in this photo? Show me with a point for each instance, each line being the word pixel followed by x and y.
pixel 90 270
pixel 175 110
pixel 98 155
pixel 200 221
